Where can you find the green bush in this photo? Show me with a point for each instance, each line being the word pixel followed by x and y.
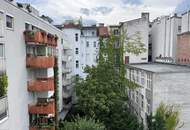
pixel 3 85
pixel 83 124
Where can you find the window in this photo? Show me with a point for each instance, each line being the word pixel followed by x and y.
pixel 87 44
pixel 77 51
pixel 27 26
pixel 179 28
pixel 94 44
pixel 142 78
pixel 116 32
pixel 62 41
pixel 9 21
pixel 93 33
pixel 142 102
pixel 1 50
pixel 77 64
pixel 137 97
pixel 82 33
pixel 149 80
pixel 76 37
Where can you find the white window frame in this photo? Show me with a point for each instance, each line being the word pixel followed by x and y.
pixel 12 21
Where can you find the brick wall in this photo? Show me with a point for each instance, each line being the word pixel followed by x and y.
pixel 183 48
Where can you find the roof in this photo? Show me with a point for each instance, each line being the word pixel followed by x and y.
pixel 71 25
pixel 89 27
pixel 103 31
pixel 161 67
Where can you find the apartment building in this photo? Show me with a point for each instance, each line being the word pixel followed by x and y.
pixel 29 44
pixel 159 82
pixel 133 28
pixel 84 44
pixel 163 33
pixel 183 41
pixel 67 78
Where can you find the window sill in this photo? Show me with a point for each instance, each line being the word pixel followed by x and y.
pixel 10 29
pixel 4 120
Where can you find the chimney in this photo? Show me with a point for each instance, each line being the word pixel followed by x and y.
pixel 145 15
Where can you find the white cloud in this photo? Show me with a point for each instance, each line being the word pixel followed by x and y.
pixel 121 11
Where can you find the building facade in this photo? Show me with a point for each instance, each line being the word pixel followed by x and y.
pixel 158 82
pixel 133 28
pixel 183 41
pixel 30 46
pixel 84 42
pixel 163 33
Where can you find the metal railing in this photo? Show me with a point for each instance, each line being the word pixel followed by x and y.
pixel 3 107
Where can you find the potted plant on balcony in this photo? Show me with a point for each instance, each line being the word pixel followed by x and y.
pixel 3 85
pixel 29 36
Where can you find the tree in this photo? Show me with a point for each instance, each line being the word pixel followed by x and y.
pixel 103 94
pixel 56 83
pixel 83 124
pixel 166 118
pixel 3 85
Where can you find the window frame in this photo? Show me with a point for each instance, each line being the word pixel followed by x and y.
pixel 9 28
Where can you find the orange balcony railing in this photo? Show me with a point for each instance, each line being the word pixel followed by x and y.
pixel 40 61
pixel 41 128
pixel 41 85
pixel 40 37
pixel 42 108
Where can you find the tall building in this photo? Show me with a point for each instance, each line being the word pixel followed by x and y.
pixel 158 82
pixel 132 28
pixel 163 33
pixel 183 41
pixel 84 42
pixel 29 44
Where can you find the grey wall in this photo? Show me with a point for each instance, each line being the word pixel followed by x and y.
pixel 174 89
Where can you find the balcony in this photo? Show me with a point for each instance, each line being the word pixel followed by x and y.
pixel 3 107
pixel 41 122
pixel 2 65
pixel 43 106
pixel 41 85
pixel 40 37
pixel 40 61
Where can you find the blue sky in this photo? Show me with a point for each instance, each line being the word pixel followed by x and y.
pixel 107 11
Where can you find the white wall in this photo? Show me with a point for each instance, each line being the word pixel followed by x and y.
pixel 164 36
pixel 86 54
pixel 173 89
pixel 18 96
pixel 186 22
pixel 142 26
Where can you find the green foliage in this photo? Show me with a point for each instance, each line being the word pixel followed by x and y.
pixel 56 82
pixel 135 45
pixel 103 94
pixel 166 118
pixel 83 124
pixel 3 84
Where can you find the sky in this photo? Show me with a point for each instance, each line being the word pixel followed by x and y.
pixel 106 11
